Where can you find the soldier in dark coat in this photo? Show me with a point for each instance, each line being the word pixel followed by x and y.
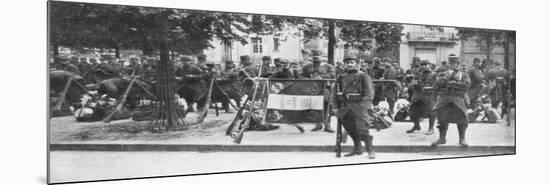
pixel 190 80
pixel 201 61
pixel 230 84
pixel 423 99
pixel 377 71
pixel 476 76
pixel 283 70
pixel 248 69
pixel 267 70
pixel 389 92
pixel 318 70
pixel 497 79
pixel 443 67
pixel 352 102
pixel 450 106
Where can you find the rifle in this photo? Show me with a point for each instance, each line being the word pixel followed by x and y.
pixel 236 119
pixel 208 99
pixel 239 136
pixel 339 135
pixel 122 101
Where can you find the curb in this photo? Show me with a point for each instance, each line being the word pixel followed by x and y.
pixel 276 148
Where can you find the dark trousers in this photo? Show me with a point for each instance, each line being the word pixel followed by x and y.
pixel 355 126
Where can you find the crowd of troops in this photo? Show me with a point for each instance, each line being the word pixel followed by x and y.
pixel 449 93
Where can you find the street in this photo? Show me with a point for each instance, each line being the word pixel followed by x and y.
pixel 85 166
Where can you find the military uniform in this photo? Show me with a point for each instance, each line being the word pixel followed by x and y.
pixel 190 79
pixel 498 79
pixel 476 76
pixel 318 70
pixel 422 100
pixel 450 106
pixel 285 72
pixel 354 111
pixel 267 70
pixel 387 92
pixel 229 82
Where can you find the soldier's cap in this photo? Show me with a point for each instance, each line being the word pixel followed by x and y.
pixel 185 58
pixel 416 58
pixel 209 63
pixel 453 56
pixel 201 57
pixel 443 62
pixel 348 58
pixel 276 60
pixel 424 62
pixel 284 61
pixel 266 58
pixel 229 62
pixel 245 57
pixel 316 53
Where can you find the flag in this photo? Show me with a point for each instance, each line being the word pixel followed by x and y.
pixel 296 101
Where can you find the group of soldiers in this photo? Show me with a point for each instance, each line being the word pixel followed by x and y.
pixel 448 92
pixel 443 93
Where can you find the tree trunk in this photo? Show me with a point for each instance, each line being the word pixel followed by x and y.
pixel 506 51
pixel 331 41
pixel 166 82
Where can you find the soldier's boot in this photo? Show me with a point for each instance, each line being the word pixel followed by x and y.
pixel 462 134
pixel 356 148
pixel 415 127
pixel 328 128
pixel 442 134
pixel 369 146
pixel 317 127
pixel 300 128
pixel 431 126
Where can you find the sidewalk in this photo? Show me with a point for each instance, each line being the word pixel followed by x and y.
pixel 127 135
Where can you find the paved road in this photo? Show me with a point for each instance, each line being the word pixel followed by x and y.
pixel 84 166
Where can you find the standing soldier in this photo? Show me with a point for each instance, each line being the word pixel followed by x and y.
pixel 201 61
pixel 377 71
pixel 189 78
pixel 231 85
pixel 476 76
pixel 450 106
pixel 498 79
pixel 248 69
pixel 267 70
pixel 423 99
pixel 296 67
pixel 284 71
pixel 443 67
pixel 352 102
pixel 318 70
pixel 388 92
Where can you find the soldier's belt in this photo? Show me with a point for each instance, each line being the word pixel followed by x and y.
pixel 349 97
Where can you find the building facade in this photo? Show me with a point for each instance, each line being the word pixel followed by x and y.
pixel 427 44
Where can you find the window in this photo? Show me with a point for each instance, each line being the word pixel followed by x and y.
pixel 257 45
pixel 276 44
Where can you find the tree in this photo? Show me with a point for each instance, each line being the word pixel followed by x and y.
pixel 490 38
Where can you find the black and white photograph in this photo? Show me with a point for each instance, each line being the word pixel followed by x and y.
pixel 138 91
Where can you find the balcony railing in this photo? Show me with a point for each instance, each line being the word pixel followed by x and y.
pixel 431 36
